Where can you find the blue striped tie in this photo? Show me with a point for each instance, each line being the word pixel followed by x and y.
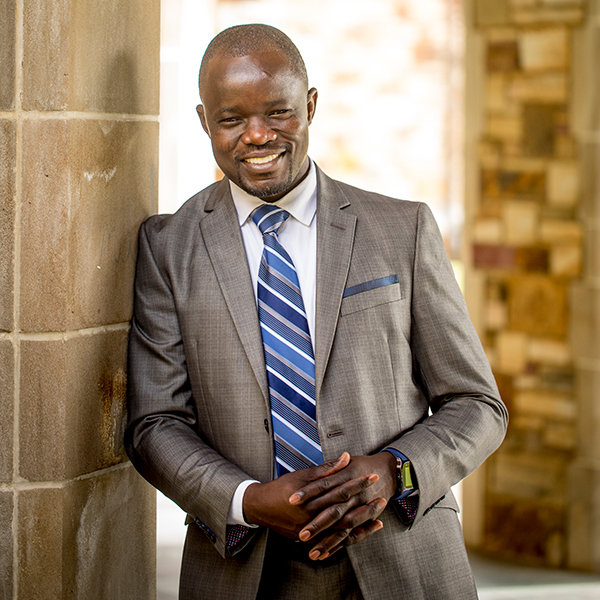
pixel 288 350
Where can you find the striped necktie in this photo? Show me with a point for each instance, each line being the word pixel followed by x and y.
pixel 288 349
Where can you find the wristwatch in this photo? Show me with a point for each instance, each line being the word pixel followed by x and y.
pixel 405 484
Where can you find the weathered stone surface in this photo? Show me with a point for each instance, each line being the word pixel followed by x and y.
pixel 547 15
pixel 488 231
pixel 538 304
pixel 585 322
pixel 106 519
pixel 91 56
pixel 563 183
pixel 6 543
pixel 89 185
pixel 72 405
pixel 7 55
pixel 511 184
pixel 503 56
pixel 505 128
pixel 540 126
pixel 7 219
pixel 558 231
pixel 550 351
pixel 588 424
pixel 566 261
pixel 40 523
pixel 7 366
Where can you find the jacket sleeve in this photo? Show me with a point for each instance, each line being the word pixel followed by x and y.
pixel 467 420
pixel 161 436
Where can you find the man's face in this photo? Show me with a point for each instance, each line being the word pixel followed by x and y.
pixel 256 112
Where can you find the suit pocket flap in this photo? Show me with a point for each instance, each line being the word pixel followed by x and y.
pixel 373 296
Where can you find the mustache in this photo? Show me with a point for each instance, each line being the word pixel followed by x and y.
pixel 270 146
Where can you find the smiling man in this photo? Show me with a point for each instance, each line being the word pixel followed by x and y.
pixel 304 378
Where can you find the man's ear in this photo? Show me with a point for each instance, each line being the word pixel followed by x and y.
pixel 311 103
pixel 200 111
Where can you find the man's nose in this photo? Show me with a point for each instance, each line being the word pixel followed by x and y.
pixel 258 133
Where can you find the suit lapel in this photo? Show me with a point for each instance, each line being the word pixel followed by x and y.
pixel 335 240
pixel 224 244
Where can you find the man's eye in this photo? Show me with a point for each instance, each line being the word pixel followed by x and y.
pixel 229 120
pixel 279 113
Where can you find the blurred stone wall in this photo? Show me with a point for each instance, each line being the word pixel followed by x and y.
pixel 78 164
pixel 530 215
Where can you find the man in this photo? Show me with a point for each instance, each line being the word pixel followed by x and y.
pixel 361 357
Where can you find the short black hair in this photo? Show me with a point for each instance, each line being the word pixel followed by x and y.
pixel 241 40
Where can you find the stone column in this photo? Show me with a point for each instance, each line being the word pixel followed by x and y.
pixel 78 164
pixel 530 230
pixel 584 514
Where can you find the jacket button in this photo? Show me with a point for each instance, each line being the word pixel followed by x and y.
pixel 267 425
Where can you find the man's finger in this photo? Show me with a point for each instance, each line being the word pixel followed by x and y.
pixel 319 473
pixel 345 537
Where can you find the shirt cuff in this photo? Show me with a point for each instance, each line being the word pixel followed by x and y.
pixel 236 509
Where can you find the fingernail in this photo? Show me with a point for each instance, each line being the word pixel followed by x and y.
pixel 379 526
pixel 324 556
pixel 295 498
pixel 304 535
pixel 381 504
pixel 314 554
pixel 373 478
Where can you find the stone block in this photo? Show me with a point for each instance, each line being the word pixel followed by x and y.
pixel 7 55
pixel 503 56
pixel 40 522
pixel 560 436
pixel 549 351
pixel 496 315
pixel 563 183
pixel 592 253
pixel 548 15
pixel 510 258
pixel 558 231
pixel 496 93
pixel 544 49
pixel 8 142
pixel 508 129
pixel 521 221
pixel 500 183
pixel 590 179
pixel 566 261
pixel 538 305
pixel 540 124
pixel 90 184
pixel 72 412
pixel 547 87
pixel 7 367
pixel 512 352
pixel 6 543
pixel 529 476
pixel 544 404
pixel 91 56
pixel 492 12
pixel 92 539
pixel 488 231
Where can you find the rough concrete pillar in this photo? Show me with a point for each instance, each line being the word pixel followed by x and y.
pixel 78 163
pixel 584 516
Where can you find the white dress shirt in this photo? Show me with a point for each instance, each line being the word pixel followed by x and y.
pixel 298 235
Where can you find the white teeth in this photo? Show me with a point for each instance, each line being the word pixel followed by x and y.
pixel 261 160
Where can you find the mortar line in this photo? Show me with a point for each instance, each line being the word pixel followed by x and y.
pixel 50 336
pixel 69 115
pixel 19 51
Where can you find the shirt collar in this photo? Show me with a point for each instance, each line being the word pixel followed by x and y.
pixel 301 202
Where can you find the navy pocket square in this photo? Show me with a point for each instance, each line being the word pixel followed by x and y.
pixel 370 285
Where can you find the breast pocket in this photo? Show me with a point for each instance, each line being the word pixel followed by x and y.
pixel 371 293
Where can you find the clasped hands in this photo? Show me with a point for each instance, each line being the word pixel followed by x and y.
pixel 330 506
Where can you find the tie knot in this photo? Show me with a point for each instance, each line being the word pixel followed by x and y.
pixel 269 218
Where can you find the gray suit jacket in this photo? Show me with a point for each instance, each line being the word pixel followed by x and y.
pixel 396 365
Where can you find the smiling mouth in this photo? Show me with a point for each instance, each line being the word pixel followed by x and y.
pixel 261 160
